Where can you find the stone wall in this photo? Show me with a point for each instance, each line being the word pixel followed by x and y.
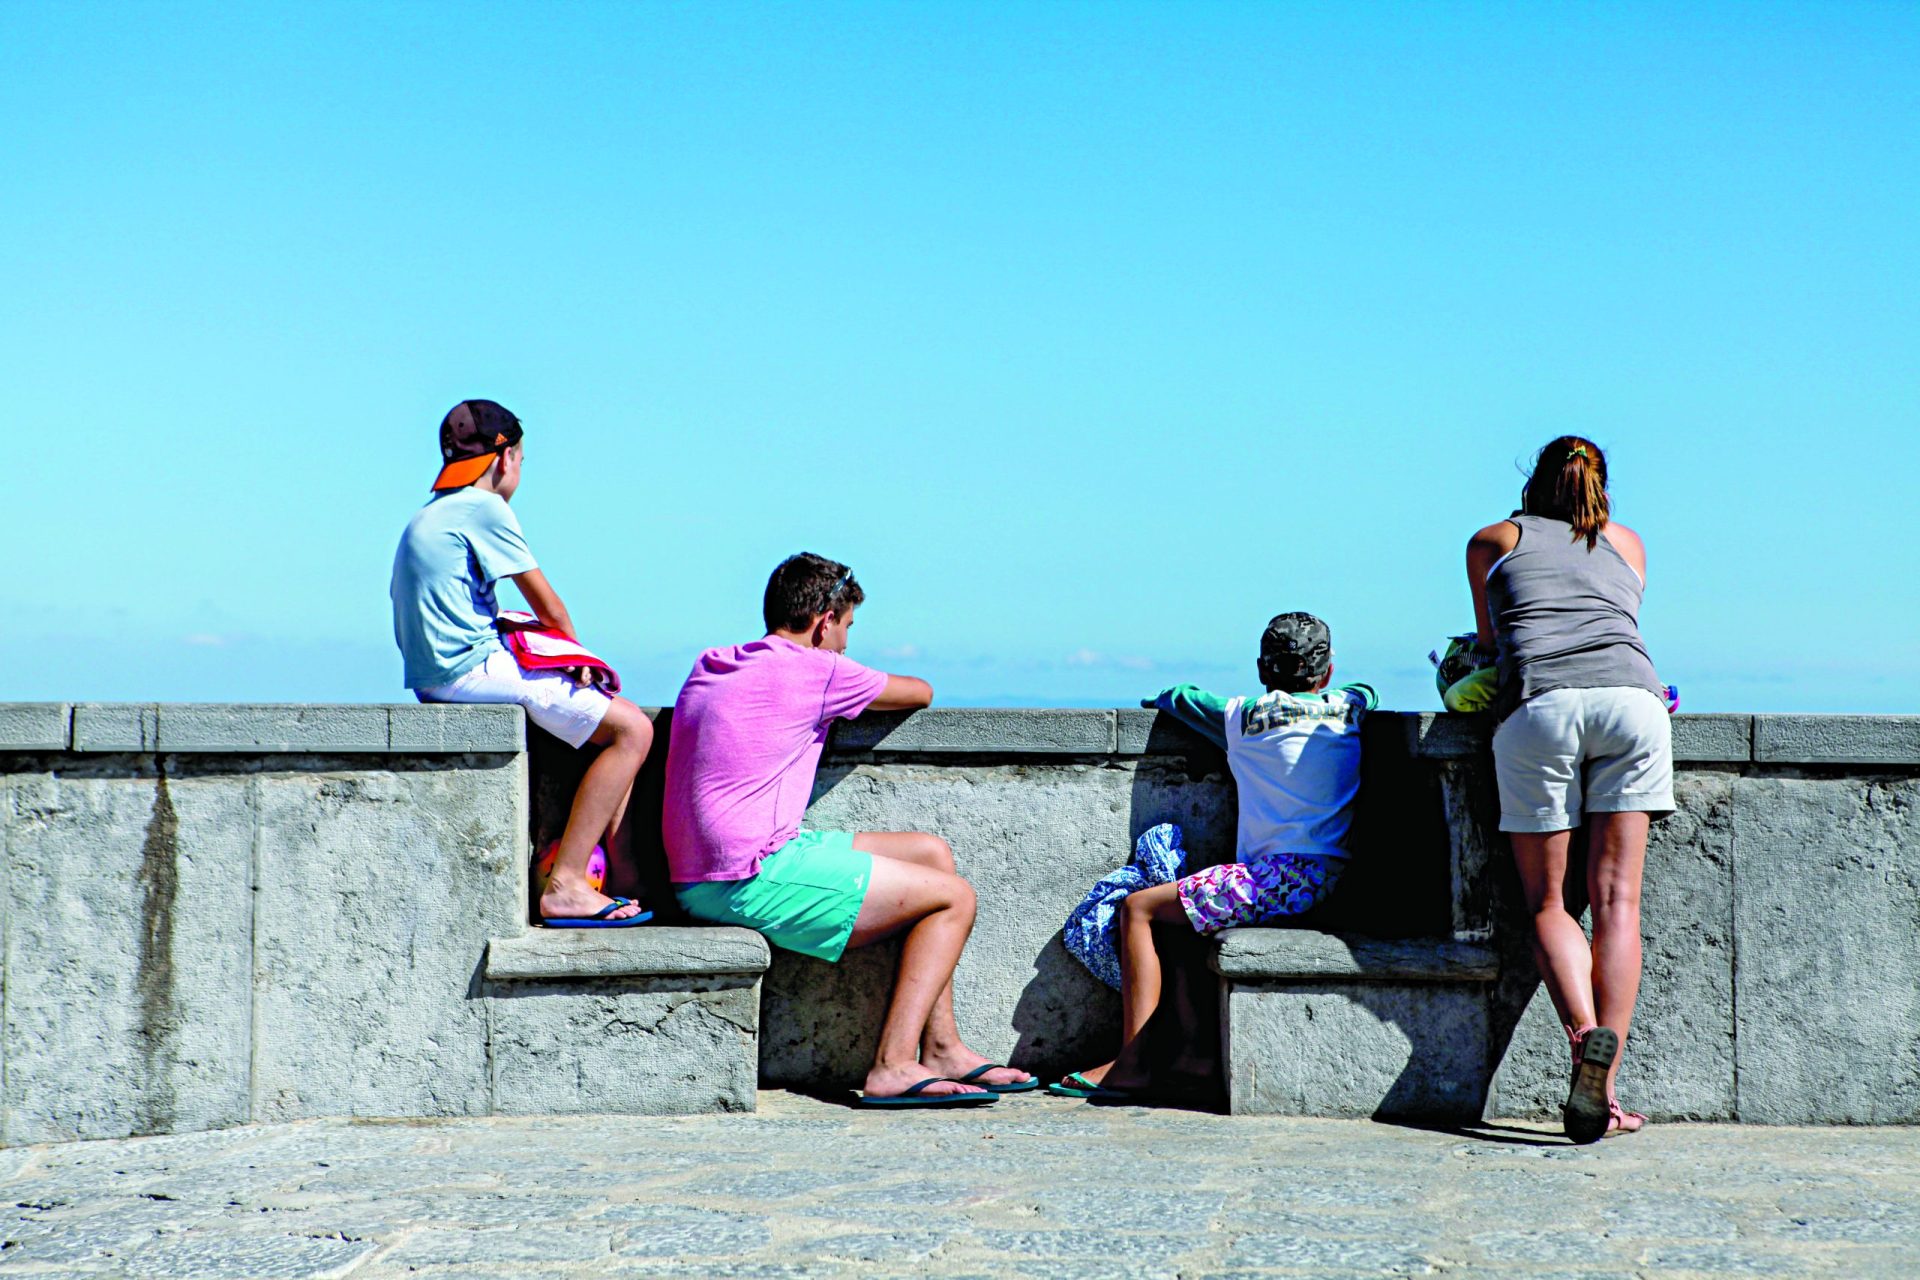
pixel 213 915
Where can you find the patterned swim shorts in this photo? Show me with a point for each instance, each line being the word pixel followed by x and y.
pixel 1258 891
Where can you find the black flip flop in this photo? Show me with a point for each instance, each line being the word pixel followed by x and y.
pixel 1587 1113
pixel 914 1098
pixel 973 1078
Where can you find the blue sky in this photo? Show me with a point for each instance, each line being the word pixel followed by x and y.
pixel 1089 335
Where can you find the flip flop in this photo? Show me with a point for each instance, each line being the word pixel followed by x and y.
pixel 1075 1085
pixel 1586 1113
pixel 598 920
pixel 914 1098
pixel 973 1077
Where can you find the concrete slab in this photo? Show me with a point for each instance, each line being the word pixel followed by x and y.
pixel 644 951
pixel 1828 908
pixel 35 726
pixel 116 726
pixel 378 892
pixel 1781 739
pixel 1712 738
pixel 272 727
pixel 1350 1049
pixel 1679 1063
pixel 978 731
pixel 1445 735
pixel 127 955
pixel 1139 732
pixel 448 727
pixel 637 1046
pixel 1269 954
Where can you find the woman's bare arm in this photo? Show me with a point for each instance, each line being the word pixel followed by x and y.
pixel 1631 549
pixel 1484 550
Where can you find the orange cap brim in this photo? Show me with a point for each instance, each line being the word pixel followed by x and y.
pixel 458 475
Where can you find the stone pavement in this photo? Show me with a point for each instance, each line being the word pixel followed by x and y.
pixel 1033 1186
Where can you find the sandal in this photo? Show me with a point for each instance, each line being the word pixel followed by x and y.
pixel 1617 1117
pixel 1588 1111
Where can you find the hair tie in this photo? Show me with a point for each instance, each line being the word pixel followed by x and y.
pixel 1581 450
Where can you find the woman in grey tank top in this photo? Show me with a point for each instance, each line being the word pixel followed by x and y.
pixel 1583 739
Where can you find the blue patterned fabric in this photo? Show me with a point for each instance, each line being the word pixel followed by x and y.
pixel 1089 935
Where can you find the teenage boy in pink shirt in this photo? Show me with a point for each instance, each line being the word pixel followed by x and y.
pixel 748 730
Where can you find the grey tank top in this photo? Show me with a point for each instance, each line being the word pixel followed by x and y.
pixel 1565 617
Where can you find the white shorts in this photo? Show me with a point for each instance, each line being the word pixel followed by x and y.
pixel 1575 751
pixel 554 701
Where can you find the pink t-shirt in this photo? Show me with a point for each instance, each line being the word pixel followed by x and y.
pixel 748 730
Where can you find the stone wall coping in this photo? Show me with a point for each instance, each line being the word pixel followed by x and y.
pixel 644 951
pixel 417 728
pixel 1269 955
pixel 408 728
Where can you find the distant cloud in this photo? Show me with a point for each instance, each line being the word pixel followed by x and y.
pixel 906 652
pixel 204 640
pixel 1084 657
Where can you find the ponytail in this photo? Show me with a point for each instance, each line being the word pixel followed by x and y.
pixel 1569 482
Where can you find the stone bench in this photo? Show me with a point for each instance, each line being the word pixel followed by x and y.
pixel 644 1021
pixel 1325 1024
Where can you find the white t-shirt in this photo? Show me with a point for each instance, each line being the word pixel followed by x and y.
pixel 1296 762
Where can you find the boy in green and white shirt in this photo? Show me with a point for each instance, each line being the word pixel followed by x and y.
pixel 1295 755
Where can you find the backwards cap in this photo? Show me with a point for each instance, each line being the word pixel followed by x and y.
pixel 1296 648
pixel 471 435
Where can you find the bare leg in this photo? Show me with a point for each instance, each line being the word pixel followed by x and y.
pixel 1139 969
pixel 1560 948
pixel 1614 865
pixel 598 807
pixel 935 909
pixel 942 1049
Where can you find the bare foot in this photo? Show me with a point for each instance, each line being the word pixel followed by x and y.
pixel 891 1082
pixel 577 900
pixel 957 1063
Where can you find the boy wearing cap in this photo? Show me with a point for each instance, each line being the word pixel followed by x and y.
pixel 748 730
pixel 453 553
pixel 1294 752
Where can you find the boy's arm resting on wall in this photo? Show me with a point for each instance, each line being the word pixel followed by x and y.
pixel 1204 713
pixel 545 602
pixel 903 693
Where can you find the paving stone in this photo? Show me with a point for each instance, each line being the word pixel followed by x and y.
pixel 1720 1259
pixel 273 1257
pixel 1324 1255
pixel 876 1246
pixel 433 1247
pixel 691 1232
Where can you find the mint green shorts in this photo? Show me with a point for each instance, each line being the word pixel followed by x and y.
pixel 805 897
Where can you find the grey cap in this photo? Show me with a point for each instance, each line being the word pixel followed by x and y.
pixel 1296 648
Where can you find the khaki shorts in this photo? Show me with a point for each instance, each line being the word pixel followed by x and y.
pixel 1578 751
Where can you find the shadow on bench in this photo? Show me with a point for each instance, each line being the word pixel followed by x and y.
pixel 1326 1024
